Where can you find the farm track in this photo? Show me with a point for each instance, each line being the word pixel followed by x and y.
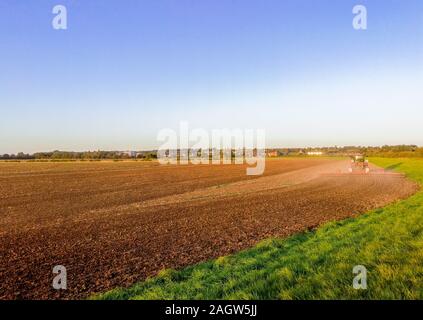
pixel 112 224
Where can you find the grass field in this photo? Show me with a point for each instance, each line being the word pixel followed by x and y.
pixel 313 265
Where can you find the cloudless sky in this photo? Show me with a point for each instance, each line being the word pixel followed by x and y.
pixel 125 69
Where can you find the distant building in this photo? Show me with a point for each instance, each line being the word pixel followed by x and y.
pixel 272 153
pixel 314 153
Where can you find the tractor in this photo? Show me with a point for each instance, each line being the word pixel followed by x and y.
pixel 359 164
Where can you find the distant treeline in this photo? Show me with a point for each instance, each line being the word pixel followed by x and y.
pixel 401 151
pixel 405 151
pixel 19 156
pixel 87 155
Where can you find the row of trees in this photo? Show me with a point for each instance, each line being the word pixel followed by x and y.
pixel 95 155
pixel 87 155
pixel 384 151
pixel 405 151
pixel 19 156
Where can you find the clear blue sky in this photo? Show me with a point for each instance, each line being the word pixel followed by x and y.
pixel 126 69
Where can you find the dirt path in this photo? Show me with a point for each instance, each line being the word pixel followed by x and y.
pixel 114 224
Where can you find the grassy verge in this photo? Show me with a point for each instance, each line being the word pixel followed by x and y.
pixel 313 265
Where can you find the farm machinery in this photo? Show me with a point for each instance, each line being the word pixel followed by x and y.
pixel 359 164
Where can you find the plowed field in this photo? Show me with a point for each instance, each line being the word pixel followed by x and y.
pixel 114 223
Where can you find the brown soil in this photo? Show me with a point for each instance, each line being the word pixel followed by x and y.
pixel 112 224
